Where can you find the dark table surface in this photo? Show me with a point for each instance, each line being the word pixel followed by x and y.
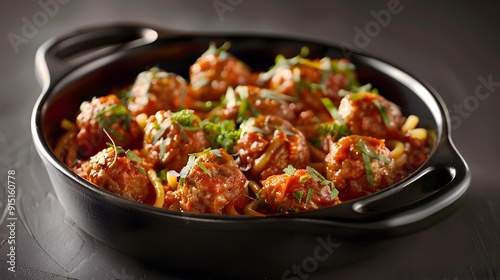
pixel 451 45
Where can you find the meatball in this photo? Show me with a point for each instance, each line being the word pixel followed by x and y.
pixel 119 175
pixel 105 113
pixel 268 144
pixel 257 101
pixel 311 80
pixel 156 90
pixel 341 75
pixel 359 165
pixel 169 138
pixel 370 114
pixel 214 184
pixel 302 189
pixel 213 72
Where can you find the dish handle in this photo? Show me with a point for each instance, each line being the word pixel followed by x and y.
pixel 438 185
pixel 59 56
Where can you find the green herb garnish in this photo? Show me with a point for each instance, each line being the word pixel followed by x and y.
pixel 186 119
pixel 298 195
pixel 219 51
pixel 141 169
pixel 335 113
pixel 113 114
pixel 128 154
pixel 323 181
pixel 289 170
pixel 358 92
pixel 162 174
pixel 333 192
pixel 204 168
pixel 382 109
pixel 260 201
pixel 185 170
pixel 276 96
pixel 309 195
pixel 160 129
pixel 244 103
pixel 366 159
pixel 163 149
pixel 333 128
pixel 304 178
pixel 132 156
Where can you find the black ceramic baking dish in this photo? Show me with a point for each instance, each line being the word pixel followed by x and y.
pixel 89 62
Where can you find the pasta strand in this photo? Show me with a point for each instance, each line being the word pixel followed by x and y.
pixel 159 188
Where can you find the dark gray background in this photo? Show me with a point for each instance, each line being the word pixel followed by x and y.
pixel 449 44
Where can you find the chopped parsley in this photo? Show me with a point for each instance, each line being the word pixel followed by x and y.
pixel 309 195
pixel 249 127
pixel 185 119
pixel 201 83
pixel 289 170
pixel 142 84
pixel 221 51
pixel 244 103
pixel 366 154
pixel 125 95
pixel 334 129
pixel 298 195
pixel 316 176
pixel 276 96
pixel 192 162
pixel 343 128
pixel 204 168
pixel 114 114
pixel 304 178
pixel 132 156
pixel 128 154
pixel 162 174
pixel 358 92
pixel 282 61
pixel 381 108
pixel 185 170
pixel 163 149
pixel 323 181
pixel 160 129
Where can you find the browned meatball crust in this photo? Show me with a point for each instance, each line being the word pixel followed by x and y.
pixel 270 144
pixel 118 175
pixel 255 101
pixel 168 140
pixel 352 176
pixel 105 113
pixel 213 72
pixel 156 90
pixel 214 185
pixel 373 115
pixel 305 189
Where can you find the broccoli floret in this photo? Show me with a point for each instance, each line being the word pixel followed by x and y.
pixel 186 119
pixel 222 134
